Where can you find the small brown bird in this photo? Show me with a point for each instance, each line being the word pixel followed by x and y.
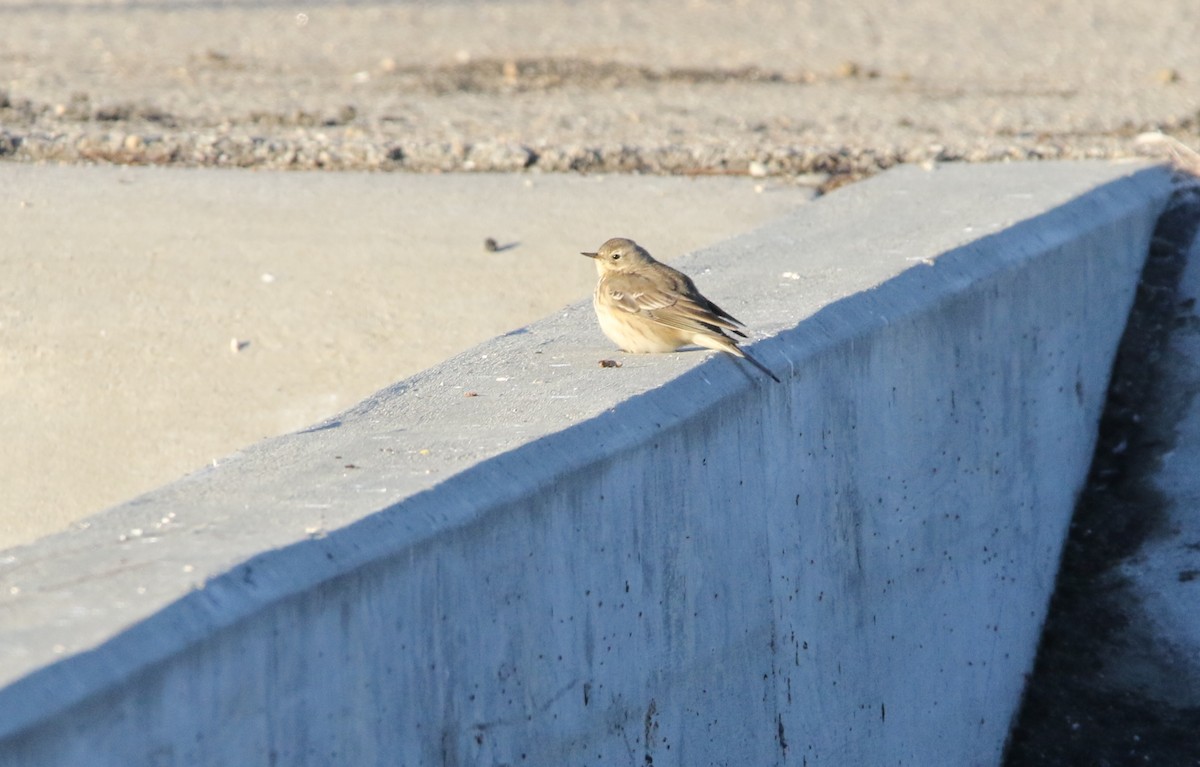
pixel 645 306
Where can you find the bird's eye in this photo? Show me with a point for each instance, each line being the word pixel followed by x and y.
pixel 616 256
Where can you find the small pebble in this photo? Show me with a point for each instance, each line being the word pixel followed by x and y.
pixel 610 363
pixel 490 245
pixel 849 69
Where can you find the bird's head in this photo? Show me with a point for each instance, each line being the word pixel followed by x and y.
pixel 620 255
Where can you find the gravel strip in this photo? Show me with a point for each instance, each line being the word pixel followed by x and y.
pixel 767 89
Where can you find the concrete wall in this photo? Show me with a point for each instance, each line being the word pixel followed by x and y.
pixel 672 562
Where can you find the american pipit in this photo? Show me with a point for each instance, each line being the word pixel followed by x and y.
pixel 645 306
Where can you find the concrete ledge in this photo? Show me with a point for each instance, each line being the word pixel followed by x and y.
pixel 675 561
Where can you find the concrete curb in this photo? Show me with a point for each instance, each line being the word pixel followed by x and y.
pixel 676 560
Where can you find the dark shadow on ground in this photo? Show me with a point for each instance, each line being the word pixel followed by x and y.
pixel 1072 714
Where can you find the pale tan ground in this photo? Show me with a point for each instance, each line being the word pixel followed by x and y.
pixel 125 290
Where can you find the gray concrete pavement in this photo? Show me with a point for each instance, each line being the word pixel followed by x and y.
pixel 676 559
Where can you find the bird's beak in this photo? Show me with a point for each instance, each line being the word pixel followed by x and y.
pixel 589 255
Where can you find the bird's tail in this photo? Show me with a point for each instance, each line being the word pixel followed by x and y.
pixel 746 356
pixel 724 343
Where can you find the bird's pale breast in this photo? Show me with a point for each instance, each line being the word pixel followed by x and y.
pixel 634 333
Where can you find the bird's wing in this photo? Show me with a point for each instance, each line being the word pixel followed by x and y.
pixel 677 304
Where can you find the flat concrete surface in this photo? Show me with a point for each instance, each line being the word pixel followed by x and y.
pixel 709 86
pixel 155 320
pixel 85 611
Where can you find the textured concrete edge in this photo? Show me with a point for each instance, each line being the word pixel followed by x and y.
pixel 224 602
